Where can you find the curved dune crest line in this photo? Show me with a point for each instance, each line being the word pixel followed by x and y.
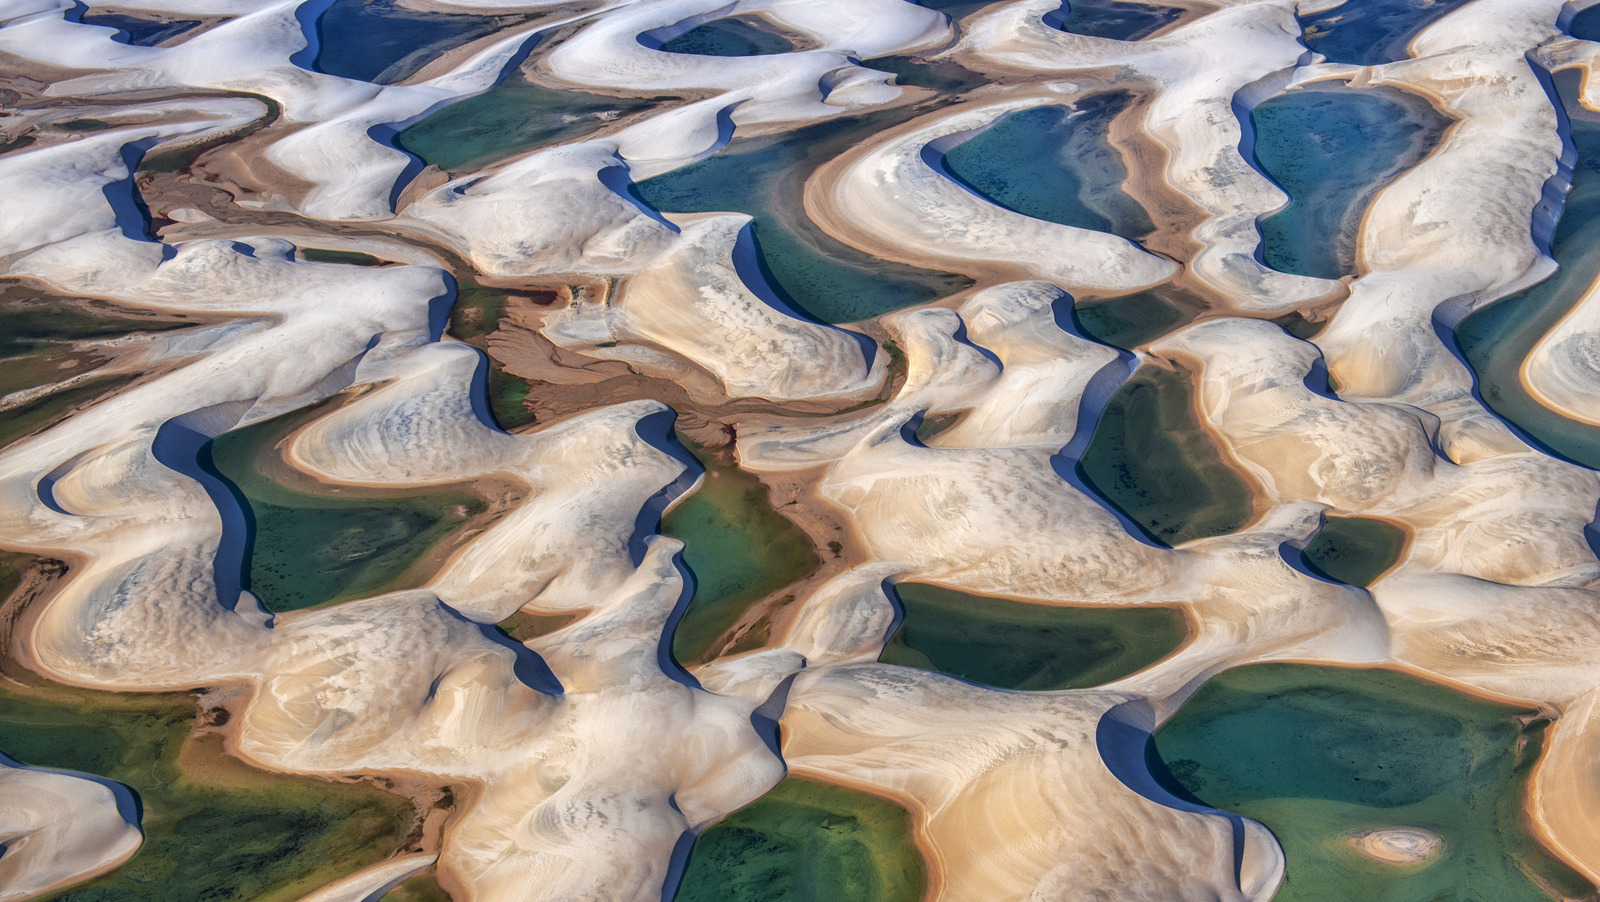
pixel 889 200
pixel 58 829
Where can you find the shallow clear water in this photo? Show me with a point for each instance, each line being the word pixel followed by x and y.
pixel 733 36
pixel 1114 19
pixel 1320 753
pixel 738 549
pixel 1497 339
pixel 1371 32
pixel 1331 148
pixel 808 270
pixel 1355 550
pixel 1009 644
pixel 1135 319
pixel 1152 458
pixel 382 42
pixel 314 549
pixel 807 841
pixel 1054 163
pixel 514 117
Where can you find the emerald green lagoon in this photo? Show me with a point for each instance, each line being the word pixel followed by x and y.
pixel 474 317
pixel 421 888
pixel 1322 754
pixel 738 549
pixel 732 36
pixel 346 258
pixel 1331 148
pixel 1008 644
pixel 1152 458
pixel 1355 550
pixel 1054 163
pixel 215 829
pixel 1115 19
pixel 807 841
pixel 313 544
pixel 514 117
pixel 806 269
pixel 1497 339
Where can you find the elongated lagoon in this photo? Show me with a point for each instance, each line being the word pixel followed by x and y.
pixel 1331 148
pixel 382 42
pixel 1355 550
pixel 1326 756
pixel 1115 19
pixel 1371 32
pixel 1497 339
pixel 807 841
pixel 739 550
pixel 808 269
pixel 1009 644
pixel 313 544
pixel 732 36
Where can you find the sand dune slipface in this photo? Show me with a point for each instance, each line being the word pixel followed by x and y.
pixel 218 240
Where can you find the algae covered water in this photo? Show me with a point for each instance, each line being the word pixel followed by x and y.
pixel 1322 754
pixel 1007 644
pixel 807 841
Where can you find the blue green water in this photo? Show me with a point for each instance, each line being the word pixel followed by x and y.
pixel 733 36
pixel 1371 32
pixel 807 269
pixel 514 117
pixel 1497 339
pixel 313 548
pixel 1355 550
pixel 807 841
pixel 1135 319
pixel 1054 163
pixel 380 41
pixel 138 31
pixel 1152 458
pixel 1115 19
pixel 215 829
pixel 1009 644
pixel 738 549
pixel 1318 754
pixel 1331 148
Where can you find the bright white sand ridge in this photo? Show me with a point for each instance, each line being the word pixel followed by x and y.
pixel 533 333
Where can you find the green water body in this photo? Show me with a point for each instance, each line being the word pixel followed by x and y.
pixel 421 888
pixel 1355 550
pixel 311 549
pixel 139 31
pixel 1008 644
pixel 40 344
pixel 1136 319
pixel 1055 163
pixel 1371 32
pixel 347 258
pixel 1318 754
pixel 1153 459
pixel 738 549
pixel 1332 148
pixel 945 76
pixel 381 42
pixel 805 267
pixel 475 316
pixel 215 829
pixel 1497 339
pixel 514 117
pixel 732 36
pixel 807 841
pixel 1115 19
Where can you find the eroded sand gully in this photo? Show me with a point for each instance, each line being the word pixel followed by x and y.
pixel 205 174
